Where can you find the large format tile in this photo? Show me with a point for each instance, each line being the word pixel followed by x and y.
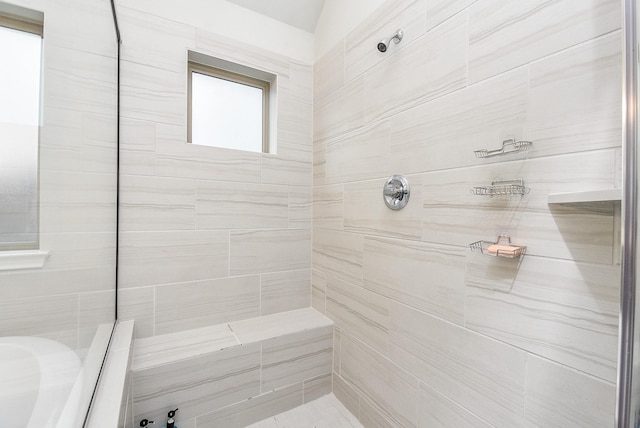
pixel 505 34
pixel 157 203
pixel 285 291
pixel 483 375
pixel 198 304
pixel 300 207
pixel 340 112
pixel 169 348
pixel 328 206
pixel 562 310
pixel 293 358
pixel 269 251
pixel 560 397
pixel 220 205
pixel 338 254
pixel 360 53
pixel 198 385
pixel 151 258
pixel 328 73
pixel 279 324
pixel 360 155
pixel 439 11
pixel 425 276
pixel 360 313
pixel 432 66
pixel 575 100
pixel 366 212
pixel 180 159
pixel 390 389
pixel 257 408
pixel 438 411
pixel 582 232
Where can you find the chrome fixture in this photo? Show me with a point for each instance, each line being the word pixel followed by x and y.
pixel 508 146
pixel 396 192
pixel 383 44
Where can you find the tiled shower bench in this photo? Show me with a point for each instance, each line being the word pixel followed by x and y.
pixel 232 374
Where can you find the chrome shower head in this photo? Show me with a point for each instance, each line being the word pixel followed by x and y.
pixel 383 44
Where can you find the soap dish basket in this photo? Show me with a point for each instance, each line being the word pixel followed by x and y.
pixel 501 248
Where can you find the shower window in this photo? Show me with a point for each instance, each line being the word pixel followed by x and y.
pixel 20 89
pixel 228 109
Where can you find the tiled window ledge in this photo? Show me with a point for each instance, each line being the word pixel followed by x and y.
pixel 24 259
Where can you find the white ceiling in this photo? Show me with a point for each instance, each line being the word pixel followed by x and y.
pixel 302 14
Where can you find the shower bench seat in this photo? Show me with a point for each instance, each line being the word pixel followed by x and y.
pixel 232 374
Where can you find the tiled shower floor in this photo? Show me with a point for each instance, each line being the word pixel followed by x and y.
pixel 325 412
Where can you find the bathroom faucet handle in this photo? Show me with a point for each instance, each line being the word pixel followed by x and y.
pixel 145 422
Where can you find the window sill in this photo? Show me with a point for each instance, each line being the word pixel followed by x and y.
pixel 27 259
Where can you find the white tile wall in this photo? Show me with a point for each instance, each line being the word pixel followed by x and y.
pixel 211 234
pixel 429 334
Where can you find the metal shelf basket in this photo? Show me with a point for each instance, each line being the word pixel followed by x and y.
pixel 508 146
pixel 501 248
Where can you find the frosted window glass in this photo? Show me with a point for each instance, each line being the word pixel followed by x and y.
pixel 225 114
pixel 20 54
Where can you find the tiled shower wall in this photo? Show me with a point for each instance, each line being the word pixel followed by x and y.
pixel 208 235
pixel 74 291
pixel 428 333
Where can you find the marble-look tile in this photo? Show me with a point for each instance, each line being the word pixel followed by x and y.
pixel 80 250
pixel 432 66
pixel 361 155
pixel 574 100
pixel 360 313
pixel 295 123
pixel 237 52
pixel 318 291
pixel 485 376
pixel 340 112
pixel 360 53
pixel 337 340
pixel 439 11
pixel 137 162
pixel 269 251
pixel 428 277
pixel 338 254
pixel 452 215
pixel 254 410
pixel 391 389
pixel 198 304
pixel 94 309
pixel 220 205
pixel 298 85
pixel 504 35
pixel 285 291
pixel 560 397
pixel 137 304
pixel 319 163
pixel 80 81
pixel 300 207
pixel 325 412
pixel 198 385
pixel 155 41
pixel 157 203
pixel 438 411
pixel 328 73
pixel 316 387
pixel 51 317
pixel 365 210
pixel 153 94
pixel 346 395
pixel 151 258
pixel 293 358
pixel 183 160
pixel 561 310
pixel 279 324
pixel 137 135
pixel 444 133
pixel 277 169
pixel 61 193
pixel 328 207
pixel 171 347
